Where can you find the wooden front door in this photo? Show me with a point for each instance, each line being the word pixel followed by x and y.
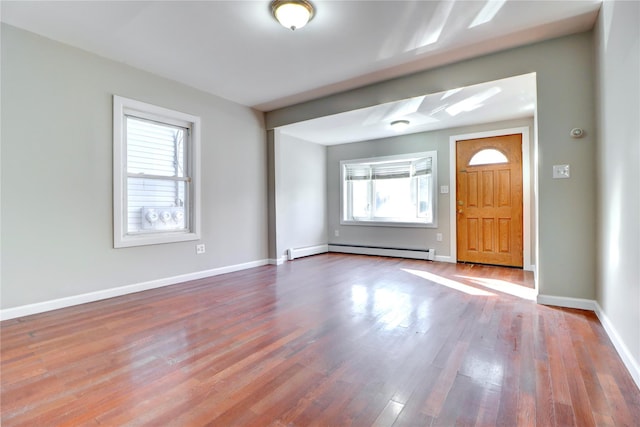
pixel 489 200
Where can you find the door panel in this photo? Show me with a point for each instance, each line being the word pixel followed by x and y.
pixel 487 189
pixel 472 238
pixel 471 181
pixel 487 233
pixel 504 225
pixel 489 219
pixel 504 188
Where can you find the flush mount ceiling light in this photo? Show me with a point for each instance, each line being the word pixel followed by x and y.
pixel 399 125
pixel 292 14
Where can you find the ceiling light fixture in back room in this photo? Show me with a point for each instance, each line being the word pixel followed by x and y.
pixel 399 125
pixel 292 14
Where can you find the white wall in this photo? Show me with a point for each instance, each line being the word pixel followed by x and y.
pixel 565 96
pixel 57 232
pixel 617 39
pixel 400 237
pixel 301 193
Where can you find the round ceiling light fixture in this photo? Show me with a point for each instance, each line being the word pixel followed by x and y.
pixel 292 14
pixel 399 125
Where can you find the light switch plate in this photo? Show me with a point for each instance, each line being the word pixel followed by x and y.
pixel 561 171
pixel 444 189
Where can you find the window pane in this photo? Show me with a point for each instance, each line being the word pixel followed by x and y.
pixel 393 198
pixel 145 193
pixel 360 198
pixel 425 210
pixel 488 156
pixel 154 148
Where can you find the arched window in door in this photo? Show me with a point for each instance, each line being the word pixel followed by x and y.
pixel 488 156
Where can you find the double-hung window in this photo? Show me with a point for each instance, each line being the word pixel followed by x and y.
pixel 393 190
pixel 156 180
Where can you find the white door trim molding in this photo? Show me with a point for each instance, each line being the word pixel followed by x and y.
pixel 526 184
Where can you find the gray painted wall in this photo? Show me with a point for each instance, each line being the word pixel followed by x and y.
pixel 301 193
pixel 57 232
pixel 565 93
pixel 271 193
pixel 617 39
pixel 400 237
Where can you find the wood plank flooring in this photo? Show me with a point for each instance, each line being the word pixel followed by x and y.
pixel 329 340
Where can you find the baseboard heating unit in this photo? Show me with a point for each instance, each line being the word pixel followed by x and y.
pixel 425 254
pixel 294 253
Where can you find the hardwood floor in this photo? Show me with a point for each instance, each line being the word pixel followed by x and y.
pixel 329 340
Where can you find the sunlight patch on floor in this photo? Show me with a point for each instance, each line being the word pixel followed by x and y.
pixel 452 284
pixel 504 287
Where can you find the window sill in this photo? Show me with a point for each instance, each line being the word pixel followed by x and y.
pixel 156 239
pixel 389 224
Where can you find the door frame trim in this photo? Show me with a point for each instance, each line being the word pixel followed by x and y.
pixel 526 189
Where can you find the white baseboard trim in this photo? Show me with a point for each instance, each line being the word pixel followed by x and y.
pixel 294 253
pixel 40 307
pixel 568 302
pixel 586 304
pixel 365 250
pixel 630 363
pixel 277 261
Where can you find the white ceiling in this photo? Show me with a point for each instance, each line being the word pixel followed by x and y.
pixel 236 50
pixel 489 102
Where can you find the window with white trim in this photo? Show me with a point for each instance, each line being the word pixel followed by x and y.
pixel 155 174
pixel 392 190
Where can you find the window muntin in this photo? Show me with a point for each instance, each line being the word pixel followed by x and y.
pixel 156 161
pixel 393 190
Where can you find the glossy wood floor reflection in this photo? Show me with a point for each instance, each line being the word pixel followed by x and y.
pixel 330 340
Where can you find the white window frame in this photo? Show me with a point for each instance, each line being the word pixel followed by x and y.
pixel 345 199
pixel 121 238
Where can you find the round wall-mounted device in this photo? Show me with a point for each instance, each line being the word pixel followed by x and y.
pixel 165 216
pixel 576 133
pixel 151 217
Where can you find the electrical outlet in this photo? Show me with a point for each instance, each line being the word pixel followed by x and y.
pixel 200 249
pixel 336 233
pixel 439 237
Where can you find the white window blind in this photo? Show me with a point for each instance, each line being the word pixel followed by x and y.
pixel 357 172
pixel 422 166
pixel 407 169
pixel 392 170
